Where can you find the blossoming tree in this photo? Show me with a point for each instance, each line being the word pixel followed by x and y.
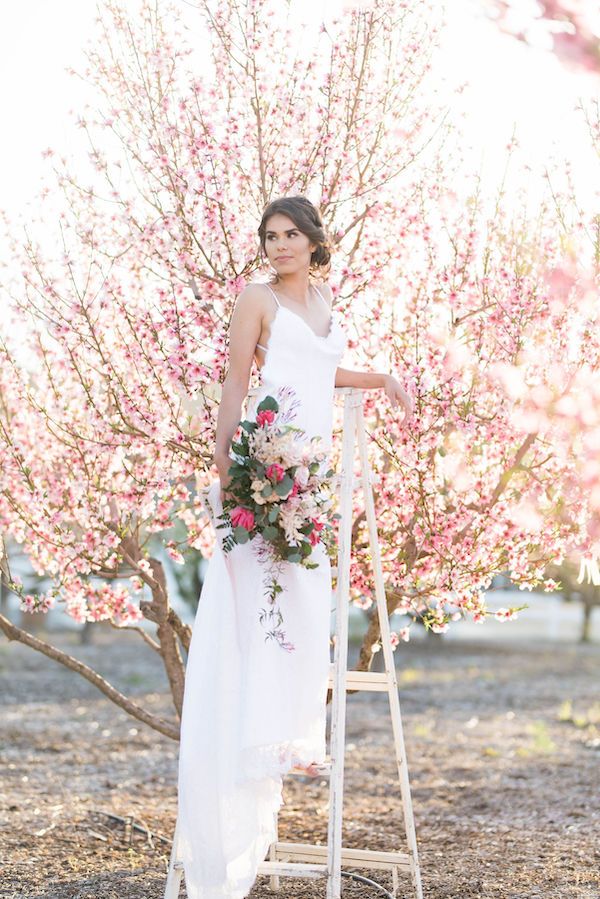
pixel 107 427
pixel 570 28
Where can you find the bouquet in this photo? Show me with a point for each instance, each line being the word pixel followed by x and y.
pixel 279 494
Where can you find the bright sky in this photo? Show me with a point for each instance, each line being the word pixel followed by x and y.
pixel 509 83
pixel 513 84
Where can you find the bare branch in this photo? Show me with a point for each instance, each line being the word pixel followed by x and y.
pixel 162 725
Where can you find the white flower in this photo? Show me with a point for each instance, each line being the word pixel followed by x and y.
pixel 291 519
pixel 256 487
pixel 290 449
pixel 309 508
pixel 302 475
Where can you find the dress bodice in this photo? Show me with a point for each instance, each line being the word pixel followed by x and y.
pixel 299 359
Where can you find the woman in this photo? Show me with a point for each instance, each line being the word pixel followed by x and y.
pixel 252 712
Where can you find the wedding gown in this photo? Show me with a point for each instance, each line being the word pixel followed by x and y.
pixel 252 709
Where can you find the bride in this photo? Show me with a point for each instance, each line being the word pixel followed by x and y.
pixel 252 712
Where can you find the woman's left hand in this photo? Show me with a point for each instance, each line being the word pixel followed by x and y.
pixel 397 395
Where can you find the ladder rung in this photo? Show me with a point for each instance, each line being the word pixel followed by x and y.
pixel 363 680
pixel 356 481
pixel 292 869
pixel 366 858
pixel 324 861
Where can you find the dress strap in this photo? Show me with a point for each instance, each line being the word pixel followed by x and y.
pixel 262 347
pixel 322 297
pixel 273 292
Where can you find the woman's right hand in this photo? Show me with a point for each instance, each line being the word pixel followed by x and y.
pixel 223 464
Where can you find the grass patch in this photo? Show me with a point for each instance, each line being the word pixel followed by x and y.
pixel 541 742
pixel 408 676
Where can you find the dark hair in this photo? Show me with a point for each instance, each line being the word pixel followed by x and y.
pixel 307 219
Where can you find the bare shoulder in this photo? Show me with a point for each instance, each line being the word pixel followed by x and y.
pixel 253 299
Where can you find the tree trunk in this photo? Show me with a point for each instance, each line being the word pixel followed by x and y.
pixel 587 621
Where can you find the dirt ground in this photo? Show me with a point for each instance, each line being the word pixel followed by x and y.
pixel 503 746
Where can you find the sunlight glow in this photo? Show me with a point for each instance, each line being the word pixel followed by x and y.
pixel 510 83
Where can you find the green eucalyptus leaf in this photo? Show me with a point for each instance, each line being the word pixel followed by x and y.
pixel 284 486
pixel 269 402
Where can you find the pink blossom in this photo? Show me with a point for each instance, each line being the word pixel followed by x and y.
pixel 315 535
pixel 275 472
pixel 242 518
pixel 174 553
pixel 266 417
pixel 504 614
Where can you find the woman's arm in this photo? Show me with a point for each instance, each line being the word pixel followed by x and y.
pixel 244 331
pixel 368 380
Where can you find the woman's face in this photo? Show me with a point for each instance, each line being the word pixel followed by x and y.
pixel 288 249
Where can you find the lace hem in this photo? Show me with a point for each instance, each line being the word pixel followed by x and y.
pixel 276 759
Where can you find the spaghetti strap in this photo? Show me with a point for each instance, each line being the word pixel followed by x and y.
pixel 322 297
pixel 273 292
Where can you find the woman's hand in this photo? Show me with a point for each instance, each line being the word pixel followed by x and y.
pixel 223 464
pixel 397 395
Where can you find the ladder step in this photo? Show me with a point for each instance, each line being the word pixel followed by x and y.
pixel 364 680
pixel 336 480
pixel 358 858
pixel 292 869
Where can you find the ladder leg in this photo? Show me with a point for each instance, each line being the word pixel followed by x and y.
pixel 340 654
pixel 274 878
pixel 395 882
pixel 353 431
pixel 174 874
pixel 388 656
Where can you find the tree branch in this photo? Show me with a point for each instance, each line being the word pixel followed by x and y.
pixel 162 725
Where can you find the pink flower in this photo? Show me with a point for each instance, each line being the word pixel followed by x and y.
pixel 294 489
pixel 243 518
pixel 266 417
pixel 275 472
pixel 505 614
pixel 315 535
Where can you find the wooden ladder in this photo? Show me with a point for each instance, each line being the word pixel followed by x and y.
pixel 320 861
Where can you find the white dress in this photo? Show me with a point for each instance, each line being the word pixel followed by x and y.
pixel 252 709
